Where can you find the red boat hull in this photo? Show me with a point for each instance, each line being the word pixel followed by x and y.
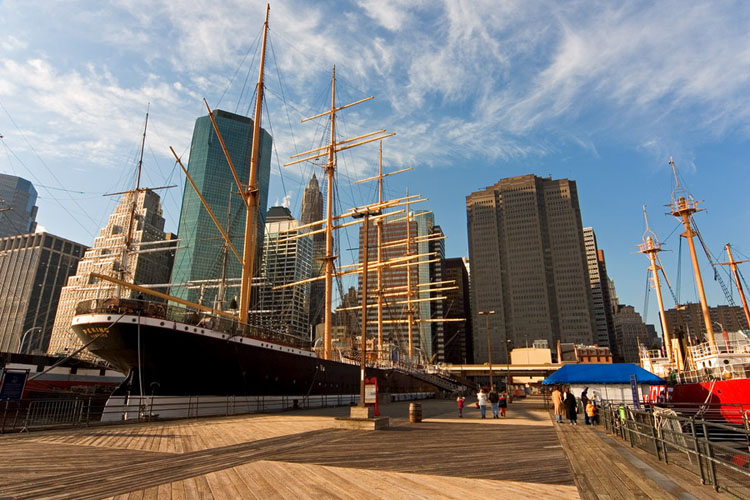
pixel 725 399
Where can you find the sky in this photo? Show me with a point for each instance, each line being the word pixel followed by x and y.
pixel 602 93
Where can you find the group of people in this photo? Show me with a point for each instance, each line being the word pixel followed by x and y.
pixel 566 404
pixel 498 402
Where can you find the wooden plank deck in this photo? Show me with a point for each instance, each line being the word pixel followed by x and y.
pixel 295 455
pixel 605 467
pixel 303 455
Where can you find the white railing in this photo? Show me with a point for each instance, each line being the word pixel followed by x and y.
pixel 732 347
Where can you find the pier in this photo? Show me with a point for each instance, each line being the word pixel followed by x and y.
pixel 302 454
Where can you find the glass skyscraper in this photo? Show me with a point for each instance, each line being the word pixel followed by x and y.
pixel 17 210
pixel 203 259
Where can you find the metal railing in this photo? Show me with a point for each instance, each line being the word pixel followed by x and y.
pixel 31 415
pixel 120 306
pixel 718 454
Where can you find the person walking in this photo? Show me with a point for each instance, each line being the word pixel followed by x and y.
pixel 503 403
pixel 557 401
pixel 584 400
pixel 460 400
pixel 482 402
pixel 590 412
pixel 494 398
pixel 570 407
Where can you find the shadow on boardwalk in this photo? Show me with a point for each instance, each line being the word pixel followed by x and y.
pixel 302 455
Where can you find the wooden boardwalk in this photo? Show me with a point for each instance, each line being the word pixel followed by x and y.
pixel 605 467
pixel 303 455
pixel 295 455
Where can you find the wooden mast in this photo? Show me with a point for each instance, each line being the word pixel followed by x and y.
pixel 252 194
pixel 652 247
pixel 683 208
pixel 379 221
pixel 329 257
pixel 733 265
pixel 379 227
pixel 409 292
pixel 329 151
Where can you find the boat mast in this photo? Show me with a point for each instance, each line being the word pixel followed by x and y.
pixel 329 257
pixel 733 265
pixel 252 194
pixel 129 239
pixel 683 208
pixel 409 292
pixel 379 227
pixel 125 261
pixel 329 151
pixel 652 247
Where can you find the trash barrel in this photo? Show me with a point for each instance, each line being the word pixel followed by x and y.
pixel 415 413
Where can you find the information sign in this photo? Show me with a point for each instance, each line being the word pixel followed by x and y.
pixel 13 384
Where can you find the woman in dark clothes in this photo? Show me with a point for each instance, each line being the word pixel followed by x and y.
pixel 570 407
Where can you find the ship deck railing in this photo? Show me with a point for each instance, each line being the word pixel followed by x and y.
pixel 718 454
pixel 215 322
pixel 736 347
pixel 728 371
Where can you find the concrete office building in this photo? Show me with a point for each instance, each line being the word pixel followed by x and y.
pixel 33 270
pixel 200 260
pixel 689 320
pixel 528 265
pixel 286 259
pixel 599 283
pixel 149 261
pixel 458 337
pixel 17 206
pixel 312 211
pixel 630 333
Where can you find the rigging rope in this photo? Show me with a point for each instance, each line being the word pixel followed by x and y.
pixel 645 300
pixel 712 261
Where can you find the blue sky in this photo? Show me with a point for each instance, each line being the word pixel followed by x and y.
pixel 599 92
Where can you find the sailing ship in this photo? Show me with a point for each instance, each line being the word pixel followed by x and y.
pixel 172 349
pixel 709 379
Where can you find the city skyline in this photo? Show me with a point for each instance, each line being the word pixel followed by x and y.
pixel 601 96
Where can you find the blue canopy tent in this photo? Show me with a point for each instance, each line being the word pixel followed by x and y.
pixel 609 382
pixel 596 374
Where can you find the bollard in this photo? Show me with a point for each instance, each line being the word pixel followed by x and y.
pixel 415 413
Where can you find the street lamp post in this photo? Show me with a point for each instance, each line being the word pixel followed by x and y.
pixel 507 350
pixel 23 337
pixel 486 315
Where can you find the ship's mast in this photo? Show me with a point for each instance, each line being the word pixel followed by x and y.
pixel 329 257
pixel 409 292
pixel 683 207
pixel 329 152
pixel 651 247
pixel 379 227
pixel 252 194
pixel 733 265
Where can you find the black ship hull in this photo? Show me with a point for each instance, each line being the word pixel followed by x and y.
pixel 182 359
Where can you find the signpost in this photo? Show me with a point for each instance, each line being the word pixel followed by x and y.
pixel 371 394
pixel 634 388
pixel 13 384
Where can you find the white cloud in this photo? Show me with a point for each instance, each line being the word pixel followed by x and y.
pixel 487 80
pixel 11 43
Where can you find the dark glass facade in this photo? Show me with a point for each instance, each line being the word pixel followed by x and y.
pixel 17 206
pixel 201 257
